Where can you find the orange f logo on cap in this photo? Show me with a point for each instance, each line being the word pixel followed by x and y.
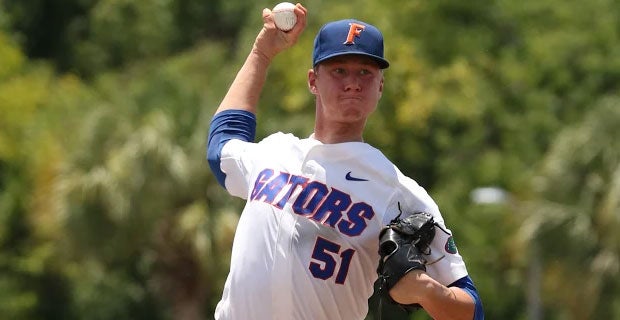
pixel 355 29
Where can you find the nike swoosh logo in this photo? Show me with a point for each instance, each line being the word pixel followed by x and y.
pixel 351 178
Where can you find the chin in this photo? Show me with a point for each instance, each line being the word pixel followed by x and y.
pixel 353 116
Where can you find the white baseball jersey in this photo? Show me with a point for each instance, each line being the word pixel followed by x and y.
pixel 307 240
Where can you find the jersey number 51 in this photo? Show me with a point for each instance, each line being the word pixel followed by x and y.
pixel 327 257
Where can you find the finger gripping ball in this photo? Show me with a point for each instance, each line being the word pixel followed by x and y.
pixel 284 16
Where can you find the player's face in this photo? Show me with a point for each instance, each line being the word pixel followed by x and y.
pixel 347 87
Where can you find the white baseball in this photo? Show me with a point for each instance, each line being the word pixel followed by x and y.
pixel 284 16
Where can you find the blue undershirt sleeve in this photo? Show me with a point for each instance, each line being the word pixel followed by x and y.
pixel 467 284
pixel 225 126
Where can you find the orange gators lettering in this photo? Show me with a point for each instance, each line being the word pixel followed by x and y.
pixel 355 29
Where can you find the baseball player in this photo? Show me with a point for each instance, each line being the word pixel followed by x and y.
pixel 307 245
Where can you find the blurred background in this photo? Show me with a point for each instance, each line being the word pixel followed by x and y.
pixel 507 112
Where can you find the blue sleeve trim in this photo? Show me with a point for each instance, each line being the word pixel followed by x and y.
pixel 467 284
pixel 227 125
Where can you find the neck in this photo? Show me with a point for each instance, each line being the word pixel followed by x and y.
pixel 339 132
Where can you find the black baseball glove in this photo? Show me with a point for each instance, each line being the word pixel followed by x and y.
pixel 402 246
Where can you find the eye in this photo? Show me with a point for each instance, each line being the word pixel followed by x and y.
pixel 365 72
pixel 339 71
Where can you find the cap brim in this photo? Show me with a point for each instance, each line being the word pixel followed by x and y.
pixel 383 64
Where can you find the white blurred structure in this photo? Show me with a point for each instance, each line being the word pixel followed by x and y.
pixel 488 195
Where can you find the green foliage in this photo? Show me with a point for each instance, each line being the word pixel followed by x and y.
pixel 123 30
pixel 93 36
pixel 108 211
pixel 577 208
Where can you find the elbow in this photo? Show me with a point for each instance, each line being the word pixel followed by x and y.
pixel 213 158
pixel 466 285
pixel 477 305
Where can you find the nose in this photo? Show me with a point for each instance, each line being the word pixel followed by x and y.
pixel 352 83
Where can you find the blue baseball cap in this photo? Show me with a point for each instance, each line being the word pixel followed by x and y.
pixel 348 37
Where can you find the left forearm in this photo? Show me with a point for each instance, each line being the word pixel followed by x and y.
pixel 439 301
pixel 448 303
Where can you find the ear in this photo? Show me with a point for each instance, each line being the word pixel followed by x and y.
pixel 312 81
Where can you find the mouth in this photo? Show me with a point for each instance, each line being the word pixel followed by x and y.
pixel 351 98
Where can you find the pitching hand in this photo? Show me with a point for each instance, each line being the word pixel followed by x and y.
pixel 271 40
